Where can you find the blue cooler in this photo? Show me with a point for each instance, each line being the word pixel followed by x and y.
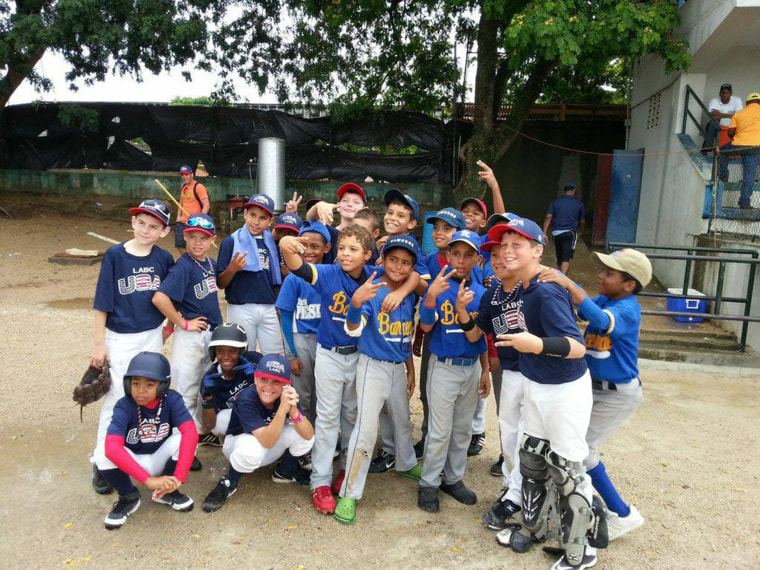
pixel 686 305
pixel 428 246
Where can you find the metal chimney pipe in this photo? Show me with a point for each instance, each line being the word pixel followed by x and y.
pixel 271 170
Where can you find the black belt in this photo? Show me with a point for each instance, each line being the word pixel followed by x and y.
pixel 345 350
pixel 612 386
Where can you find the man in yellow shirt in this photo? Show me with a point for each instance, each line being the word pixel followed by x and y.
pixel 193 197
pixel 744 131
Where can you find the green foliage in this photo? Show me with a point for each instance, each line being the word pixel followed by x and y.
pixel 87 120
pixel 199 102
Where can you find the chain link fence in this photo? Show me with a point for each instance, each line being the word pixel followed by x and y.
pixel 736 192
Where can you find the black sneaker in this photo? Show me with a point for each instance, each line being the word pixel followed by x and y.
pixel 196 465
pixel 503 514
pixel 427 499
pixel 219 495
pixel 459 492
pixel 125 506
pixel 300 475
pixel 382 462
pixel 476 444
pixel 496 467
pixel 176 501
pixel 419 449
pixel 210 439
pixel 589 561
pixel 305 461
pixel 100 485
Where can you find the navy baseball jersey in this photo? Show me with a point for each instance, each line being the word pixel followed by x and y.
pixel 566 212
pixel 548 311
pixel 436 261
pixel 612 353
pixel 145 429
pixel 191 284
pixel 332 255
pixel 335 287
pixel 301 299
pixel 126 285
pixel 224 392
pixel 247 286
pixel 448 339
pixel 499 313
pixel 249 414
pixel 387 336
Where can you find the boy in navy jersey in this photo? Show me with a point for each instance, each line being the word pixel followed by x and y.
pixel 286 224
pixel 231 372
pixel 382 380
pixel 556 403
pixel 612 345
pixel 188 298
pixel 126 322
pixel 249 272
pixel 151 438
pixel 457 374
pixel 351 198
pixel 266 422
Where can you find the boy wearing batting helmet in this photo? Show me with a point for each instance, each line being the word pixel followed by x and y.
pixel 126 322
pixel 151 438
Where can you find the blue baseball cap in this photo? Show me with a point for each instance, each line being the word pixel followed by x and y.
pixel 451 216
pixel 569 186
pixel 317 228
pixel 262 201
pixel 274 366
pixel 396 194
pixel 185 169
pixel 466 236
pixel 500 219
pixel 202 223
pixel 155 208
pixel 404 241
pixel 288 221
pixel 523 226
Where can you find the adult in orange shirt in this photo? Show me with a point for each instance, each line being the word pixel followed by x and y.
pixel 744 131
pixel 193 197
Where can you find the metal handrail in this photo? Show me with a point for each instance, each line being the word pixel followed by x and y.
pixel 686 112
pixel 620 245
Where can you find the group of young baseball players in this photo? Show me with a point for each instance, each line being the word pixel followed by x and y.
pixel 314 361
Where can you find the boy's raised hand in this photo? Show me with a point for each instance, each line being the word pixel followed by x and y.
pixel 367 291
pixel 292 205
pixel 440 283
pixel 292 245
pixel 325 212
pixel 486 174
pixel 239 261
pixel 464 298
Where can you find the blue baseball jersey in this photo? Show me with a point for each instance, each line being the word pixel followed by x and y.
pixel 249 414
pixel 247 286
pixel 436 261
pixel 499 313
pixel 192 286
pixel 448 339
pixel 301 299
pixel 612 354
pixel 566 212
pixel 224 392
pixel 336 287
pixel 126 285
pixel 387 336
pixel 145 429
pixel 548 311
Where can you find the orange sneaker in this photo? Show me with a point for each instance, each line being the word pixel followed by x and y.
pixel 338 483
pixel 323 500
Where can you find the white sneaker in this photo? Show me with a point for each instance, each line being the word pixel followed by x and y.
pixel 617 526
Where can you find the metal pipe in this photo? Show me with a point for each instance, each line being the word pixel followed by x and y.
pixel 747 307
pixel 719 287
pixel 685 296
pixel 270 171
pixel 742 318
pixel 617 244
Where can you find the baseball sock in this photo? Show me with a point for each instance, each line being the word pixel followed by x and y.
pixel 169 468
pixel 119 481
pixel 606 489
pixel 234 476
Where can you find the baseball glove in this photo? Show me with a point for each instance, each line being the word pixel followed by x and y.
pixel 93 386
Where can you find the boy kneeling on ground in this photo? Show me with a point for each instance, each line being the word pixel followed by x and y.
pixel 266 422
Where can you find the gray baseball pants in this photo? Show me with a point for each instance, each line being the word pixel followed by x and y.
pixel 306 348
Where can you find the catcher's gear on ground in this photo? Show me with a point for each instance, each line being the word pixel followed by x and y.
pixel 149 365
pixel 93 386
pixel 227 334
pixel 535 472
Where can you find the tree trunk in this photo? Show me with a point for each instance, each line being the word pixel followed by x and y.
pixel 483 119
pixel 17 73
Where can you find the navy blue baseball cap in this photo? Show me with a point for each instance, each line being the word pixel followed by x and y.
pixel 569 186
pixel 200 222
pixel 185 169
pixel 288 221
pixel 404 241
pixel 466 236
pixel 274 366
pixel 153 207
pixel 262 201
pixel 451 216
pixel 523 226
pixel 500 219
pixel 317 228
pixel 396 194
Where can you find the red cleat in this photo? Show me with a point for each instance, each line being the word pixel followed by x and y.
pixel 338 483
pixel 323 500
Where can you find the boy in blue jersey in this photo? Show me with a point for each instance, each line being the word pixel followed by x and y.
pixel 457 374
pixel 337 353
pixel 126 322
pixel 188 299
pixel 567 217
pixel 612 345
pixel 556 404
pixel 249 272
pixel 382 380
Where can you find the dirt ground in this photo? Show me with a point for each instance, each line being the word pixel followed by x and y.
pixel 686 459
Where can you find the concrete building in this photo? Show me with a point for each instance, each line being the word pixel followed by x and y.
pixel 677 200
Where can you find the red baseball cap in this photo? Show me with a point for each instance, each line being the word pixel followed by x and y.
pixel 351 187
pixel 480 203
pixel 489 245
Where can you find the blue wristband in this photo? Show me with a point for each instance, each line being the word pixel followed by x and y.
pixel 427 315
pixel 354 315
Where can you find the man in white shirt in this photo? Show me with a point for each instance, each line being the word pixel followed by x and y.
pixel 722 109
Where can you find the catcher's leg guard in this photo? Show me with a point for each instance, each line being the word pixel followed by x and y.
pixel 534 469
pixel 576 514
